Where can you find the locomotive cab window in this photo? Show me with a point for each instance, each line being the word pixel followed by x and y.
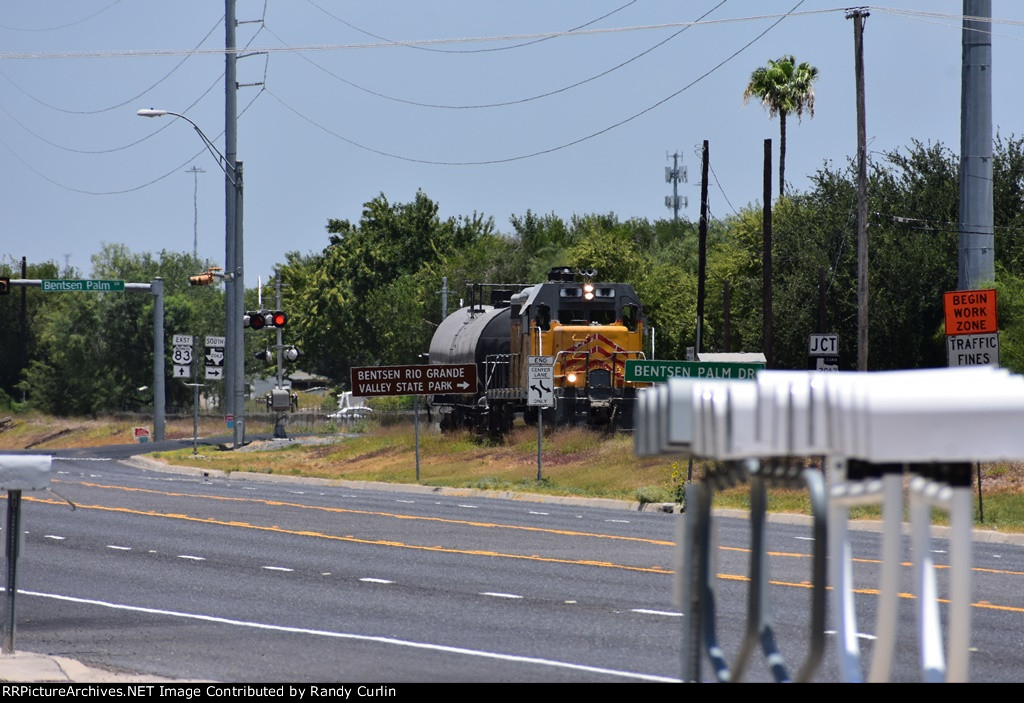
pixel 543 317
pixel 630 317
pixel 568 316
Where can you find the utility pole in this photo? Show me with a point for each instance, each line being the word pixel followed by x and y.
pixel 195 171
pixel 766 253
pixel 858 15
pixel 702 251
pixel 977 238
pixel 234 362
pixel 674 174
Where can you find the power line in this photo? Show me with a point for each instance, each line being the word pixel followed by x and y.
pixel 505 103
pixel 472 51
pixel 121 104
pixel 59 26
pixel 541 152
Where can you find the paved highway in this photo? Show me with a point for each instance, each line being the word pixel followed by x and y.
pixel 185 576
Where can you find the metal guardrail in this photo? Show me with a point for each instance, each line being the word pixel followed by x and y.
pixel 873 429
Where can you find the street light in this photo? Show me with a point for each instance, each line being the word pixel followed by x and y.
pixel 234 281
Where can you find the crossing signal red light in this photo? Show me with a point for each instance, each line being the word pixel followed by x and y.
pixel 254 319
pixel 277 319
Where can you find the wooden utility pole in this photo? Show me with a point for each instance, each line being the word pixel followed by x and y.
pixel 858 15
pixel 702 252
pixel 766 281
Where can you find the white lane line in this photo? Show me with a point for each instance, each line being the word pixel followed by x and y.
pixel 54 537
pixel 276 568
pixel 860 635
pixel 806 539
pixel 645 611
pixel 115 546
pixel 462 505
pixel 534 512
pixel 404 501
pixel 501 595
pixel 366 638
pixel 81 458
pixel 372 580
pixel 189 556
pixel 625 521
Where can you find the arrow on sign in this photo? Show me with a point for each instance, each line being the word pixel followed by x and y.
pixel 214 372
pixel 462 385
pixel 541 389
pixel 180 371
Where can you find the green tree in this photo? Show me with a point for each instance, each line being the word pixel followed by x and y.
pixel 783 86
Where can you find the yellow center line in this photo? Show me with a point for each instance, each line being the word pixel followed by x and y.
pixel 397 516
pixel 355 540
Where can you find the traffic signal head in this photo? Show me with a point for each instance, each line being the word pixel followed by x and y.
pixel 291 354
pixel 205 279
pixel 277 319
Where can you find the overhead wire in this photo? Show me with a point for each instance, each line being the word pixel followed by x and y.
pixel 471 51
pixel 60 26
pixel 505 103
pixel 125 102
pixel 131 189
pixel 541 152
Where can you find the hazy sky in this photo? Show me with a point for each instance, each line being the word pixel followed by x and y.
pixel 485 106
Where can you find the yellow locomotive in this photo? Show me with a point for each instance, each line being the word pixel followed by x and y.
pixel 587 329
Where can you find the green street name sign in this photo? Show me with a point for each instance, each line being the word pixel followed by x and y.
pixel 653 371
pixel 61 285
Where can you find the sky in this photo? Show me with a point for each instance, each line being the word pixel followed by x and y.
pixel 487 107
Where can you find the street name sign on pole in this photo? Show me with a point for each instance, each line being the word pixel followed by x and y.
pixel 659 371
pixel 63 285
pixel 421 379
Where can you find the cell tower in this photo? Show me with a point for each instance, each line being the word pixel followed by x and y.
pixel 674 174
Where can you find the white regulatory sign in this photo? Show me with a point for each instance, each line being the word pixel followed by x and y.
pixel 823 345
pixel 541 391
pixel 541 360
pixel 182 371
pixel 182 340
pixel 973 349
pixel 215 341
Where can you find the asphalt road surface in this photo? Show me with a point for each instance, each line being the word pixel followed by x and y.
pixel 182 575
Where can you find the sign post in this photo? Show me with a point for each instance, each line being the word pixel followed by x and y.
pixel 541 394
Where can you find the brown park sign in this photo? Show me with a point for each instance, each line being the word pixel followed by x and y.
pixel 423 379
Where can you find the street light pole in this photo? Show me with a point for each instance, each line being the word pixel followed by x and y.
pixel 234 282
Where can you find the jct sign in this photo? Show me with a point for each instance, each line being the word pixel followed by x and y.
pixel 971 311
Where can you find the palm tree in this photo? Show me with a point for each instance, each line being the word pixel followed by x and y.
pixel 783 87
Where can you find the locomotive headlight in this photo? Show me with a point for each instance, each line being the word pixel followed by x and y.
pixel 570 377
pixel 588 291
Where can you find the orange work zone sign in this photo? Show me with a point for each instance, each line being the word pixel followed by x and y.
pixel 971 311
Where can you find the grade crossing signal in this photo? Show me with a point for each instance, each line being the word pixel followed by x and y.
pixel 264 319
